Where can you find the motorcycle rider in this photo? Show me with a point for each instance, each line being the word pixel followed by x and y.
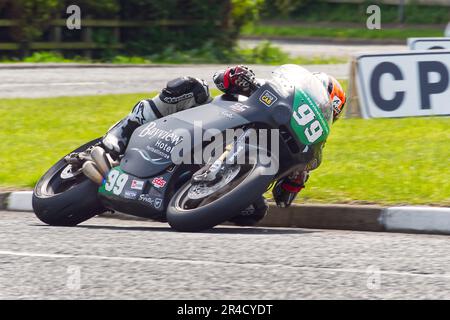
pixel 187 92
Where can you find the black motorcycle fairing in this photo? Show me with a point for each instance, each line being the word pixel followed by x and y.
pixel 149 149
pixel 149 201
pixel 151 145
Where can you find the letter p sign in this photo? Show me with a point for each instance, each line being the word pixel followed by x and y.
pixel 428 87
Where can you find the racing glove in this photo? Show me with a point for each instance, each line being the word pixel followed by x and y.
pixel 286 189
pixel 237 80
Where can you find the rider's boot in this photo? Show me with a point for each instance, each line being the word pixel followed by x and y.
pixel 252 214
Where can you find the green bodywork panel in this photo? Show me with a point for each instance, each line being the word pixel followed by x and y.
pixel 102 189
pixel 307 120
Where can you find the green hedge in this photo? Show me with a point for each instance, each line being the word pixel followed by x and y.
pixel 214 21
pixel 33 17
pixel 208 23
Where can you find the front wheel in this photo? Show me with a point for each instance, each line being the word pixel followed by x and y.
pixel 62 198
pixel 195 207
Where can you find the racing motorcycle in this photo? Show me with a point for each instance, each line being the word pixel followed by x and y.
pixel 153 179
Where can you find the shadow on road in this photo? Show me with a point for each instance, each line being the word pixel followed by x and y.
pixel 218 230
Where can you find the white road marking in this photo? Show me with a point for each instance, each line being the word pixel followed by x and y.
pixel 52 84
pixel 217 263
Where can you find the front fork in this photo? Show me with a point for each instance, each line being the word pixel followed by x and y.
pixel 213 170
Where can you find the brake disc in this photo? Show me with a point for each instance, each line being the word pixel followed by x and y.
pixel 203 189
pixel 67 173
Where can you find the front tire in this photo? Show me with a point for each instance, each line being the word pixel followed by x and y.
pixel 224 206
pixel 59 202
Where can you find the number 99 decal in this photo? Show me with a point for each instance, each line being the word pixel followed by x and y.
pixel 116 182
pixel 314 131
pixel 304 116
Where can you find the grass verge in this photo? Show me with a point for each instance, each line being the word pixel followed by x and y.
pixel 293 31
pixel 384 161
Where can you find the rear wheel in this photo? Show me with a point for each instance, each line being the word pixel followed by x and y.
pixel 66 198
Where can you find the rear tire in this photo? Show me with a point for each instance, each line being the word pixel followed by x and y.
pixel 77 203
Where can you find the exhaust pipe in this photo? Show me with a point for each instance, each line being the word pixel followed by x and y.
pixel 91 171
pixel 100 158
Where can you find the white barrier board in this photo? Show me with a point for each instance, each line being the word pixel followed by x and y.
pixel 429 43
pixel 404 84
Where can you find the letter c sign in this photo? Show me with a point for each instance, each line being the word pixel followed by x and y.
pixel 380 70
pixel 404 84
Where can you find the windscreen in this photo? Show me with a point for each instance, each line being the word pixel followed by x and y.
pixel 293 76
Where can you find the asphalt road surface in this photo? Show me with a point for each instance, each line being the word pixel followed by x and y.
pixel 52 82
pixel 121 259
pixel 296 48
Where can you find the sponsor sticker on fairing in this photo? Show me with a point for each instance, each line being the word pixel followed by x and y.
pixel 155 202
pixel 268 98
pixel 239 107
pixel 137 184
pixel 158 202
pixel 227 114
pixel 158 182
pixel 146 198
pixel 130 194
